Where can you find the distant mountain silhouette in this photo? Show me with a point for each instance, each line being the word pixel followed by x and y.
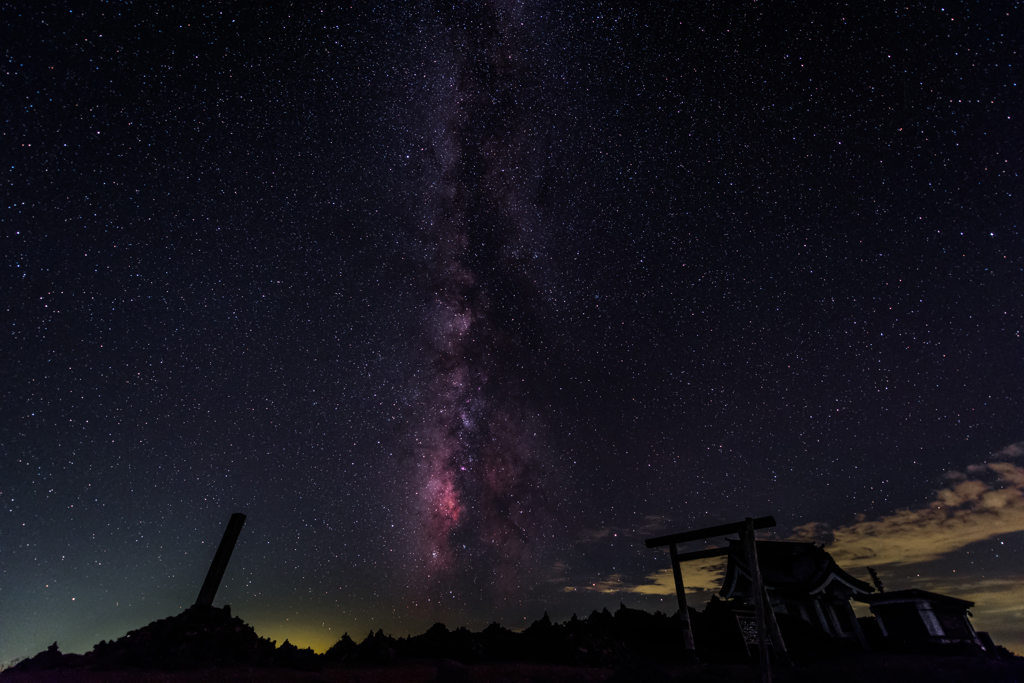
pixel 206 636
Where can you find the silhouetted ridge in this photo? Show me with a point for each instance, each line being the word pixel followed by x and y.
pixel 630 639
pixel 200 636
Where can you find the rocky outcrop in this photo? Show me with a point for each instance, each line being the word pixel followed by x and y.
pixel 198 637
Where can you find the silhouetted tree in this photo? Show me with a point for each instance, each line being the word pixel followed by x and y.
pixel 875 580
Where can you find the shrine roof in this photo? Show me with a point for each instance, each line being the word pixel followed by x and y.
pixel 788 567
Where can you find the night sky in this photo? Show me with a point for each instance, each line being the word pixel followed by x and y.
pixel 459 303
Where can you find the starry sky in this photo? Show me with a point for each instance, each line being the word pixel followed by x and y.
pixel 461 302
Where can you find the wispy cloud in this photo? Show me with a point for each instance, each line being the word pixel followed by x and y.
pixel 985 501
pixel 594 535
pixel 611 584
pixel 649 526
pixel 653 524
pixel 697 576
pixel 1003 595
pixel 1014 450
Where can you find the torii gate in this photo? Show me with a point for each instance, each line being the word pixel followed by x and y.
pixel 767 626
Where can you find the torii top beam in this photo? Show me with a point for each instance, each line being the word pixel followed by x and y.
pixel 709 532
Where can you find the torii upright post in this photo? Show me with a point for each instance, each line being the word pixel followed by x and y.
pixel 767 624
pixel 220 560
pixel 684 611
pixel 757 592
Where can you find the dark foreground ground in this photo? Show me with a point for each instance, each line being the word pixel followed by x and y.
pixel 205 644
pixel 868 668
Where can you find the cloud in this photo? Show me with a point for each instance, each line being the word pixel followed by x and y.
pixel 986 501
pixel 697 576
pixel 989 593
pixel 594 535
pixel 556 572
pixel 649 526
pixel 613 584
pixel 1014 450
pixel 653 524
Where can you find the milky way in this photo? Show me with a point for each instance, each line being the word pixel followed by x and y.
pixel 482 480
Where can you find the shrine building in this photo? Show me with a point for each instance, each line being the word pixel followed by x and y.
pixel 916 617
pixel 801 580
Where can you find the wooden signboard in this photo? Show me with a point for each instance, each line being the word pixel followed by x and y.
pixel 748 627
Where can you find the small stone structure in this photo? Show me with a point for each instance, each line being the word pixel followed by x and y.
pixel 916 617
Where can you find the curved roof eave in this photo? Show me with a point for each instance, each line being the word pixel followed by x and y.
pixel 833 576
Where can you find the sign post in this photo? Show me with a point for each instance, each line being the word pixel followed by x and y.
pixel 684 611
pixel 220 560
